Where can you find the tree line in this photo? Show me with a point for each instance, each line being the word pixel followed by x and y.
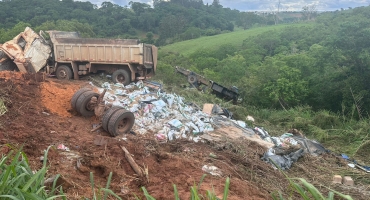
pixel 166 22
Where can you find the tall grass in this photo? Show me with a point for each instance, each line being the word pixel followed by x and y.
pixel 19 182
pixel 307 191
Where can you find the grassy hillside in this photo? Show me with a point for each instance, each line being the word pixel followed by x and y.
pixel 213 42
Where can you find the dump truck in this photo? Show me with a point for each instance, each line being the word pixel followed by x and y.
pixel 68 56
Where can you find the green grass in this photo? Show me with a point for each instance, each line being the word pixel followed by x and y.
pixel 18 181
pixel 102 193
pixel 213 42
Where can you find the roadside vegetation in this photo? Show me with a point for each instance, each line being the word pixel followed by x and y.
pixel 313 77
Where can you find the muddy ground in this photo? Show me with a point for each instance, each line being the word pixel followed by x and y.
pixel 39 115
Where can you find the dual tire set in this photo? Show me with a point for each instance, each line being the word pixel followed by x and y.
pixel 116 120
pixel 118 76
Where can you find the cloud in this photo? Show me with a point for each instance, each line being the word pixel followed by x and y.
pixel 267 5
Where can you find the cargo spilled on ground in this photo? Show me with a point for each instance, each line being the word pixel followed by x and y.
pixel 39 114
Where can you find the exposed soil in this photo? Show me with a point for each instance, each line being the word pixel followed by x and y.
pixel 39 115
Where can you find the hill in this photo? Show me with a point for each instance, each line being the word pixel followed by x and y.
pixel 235 38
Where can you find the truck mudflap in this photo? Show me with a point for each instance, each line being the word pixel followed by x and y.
pixel 28 51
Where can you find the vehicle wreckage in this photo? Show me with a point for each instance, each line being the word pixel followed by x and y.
pixel 197 81
pixel 68 56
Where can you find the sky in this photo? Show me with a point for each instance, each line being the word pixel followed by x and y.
pixel 267 5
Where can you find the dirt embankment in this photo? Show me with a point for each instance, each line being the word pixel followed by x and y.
pixel 39 114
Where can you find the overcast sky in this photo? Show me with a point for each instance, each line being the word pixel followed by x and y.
pixel 267 5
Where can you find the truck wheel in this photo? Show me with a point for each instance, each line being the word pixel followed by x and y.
pixel 64 72
pixel 121 76
pixel 121 122
pixel 192 79
pixel 108 115
pixel 76 95
pixel 83 105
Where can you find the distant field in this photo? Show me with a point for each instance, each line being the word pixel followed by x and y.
pixel 212 42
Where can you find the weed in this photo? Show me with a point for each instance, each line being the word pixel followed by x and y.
pixel 307 191
pixel 102 193
pixel 18 181
pixel 3 108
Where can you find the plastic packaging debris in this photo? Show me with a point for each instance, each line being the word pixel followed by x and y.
pixel 62 147
pixel 215 171
pixel 142 131
pixel 106 85
pixel 351 165
pixel 276 141
pixel 282 162
pixel 140 84
pixel 286 135
pixel 119 92
pixel 241 123
pixel 160 104
pixel 212 155
pixel 290 141
pixel 344 156
pixel 175 123
pixel 261 132
pixel 119 85
pixel 161 137
pixel 196 139
pixel 134 108
pixel 249 118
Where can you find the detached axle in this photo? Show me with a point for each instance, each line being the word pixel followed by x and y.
pixel 114 119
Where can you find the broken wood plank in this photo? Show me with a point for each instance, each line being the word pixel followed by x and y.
pixel 132 162
pixel 96 128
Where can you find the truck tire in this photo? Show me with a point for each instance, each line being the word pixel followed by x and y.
pixel 192 79
pixel 76 95
pixel 64 72
pixel 121 76
pixel 83 105
pixel 108 115
pixel 121 122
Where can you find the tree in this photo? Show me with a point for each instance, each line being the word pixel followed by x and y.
pixel 309 12
pixel 138 7
pixel 216 3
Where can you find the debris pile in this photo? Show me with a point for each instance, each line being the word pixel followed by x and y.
pixel 164 114
pixel 288 148
pixel 168 117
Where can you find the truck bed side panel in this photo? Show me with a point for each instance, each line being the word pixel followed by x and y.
pixel 100 53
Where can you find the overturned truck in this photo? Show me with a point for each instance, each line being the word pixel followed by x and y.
pixel 68 56
pixel 197 80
